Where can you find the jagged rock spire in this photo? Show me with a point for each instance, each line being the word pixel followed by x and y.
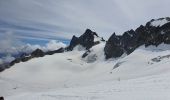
pixel 113 47
pixel 155 32
pixel 86 40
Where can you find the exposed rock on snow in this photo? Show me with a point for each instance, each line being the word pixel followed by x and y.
pixel 160 58
pixel 95 53
pixel 73 43
pixel 144 35
pixel 1 98
pixel 60 50
pixel 83 73
pixel 118 64
pixel 23 53
pixel 37 53
pixel 113 47
pixel 150 34
pixel 65 76
pixel 87 40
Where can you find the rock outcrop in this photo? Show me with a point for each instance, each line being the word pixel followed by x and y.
pixel 113 47
pixel 86 40
pixel 25 57
pixel 3 67
pixel 155 32
pixel 37 53
pixel 74 41
pixel 60 50
pixel 1 98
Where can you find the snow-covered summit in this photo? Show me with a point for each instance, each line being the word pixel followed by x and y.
pixel 160 22
pixel 88 39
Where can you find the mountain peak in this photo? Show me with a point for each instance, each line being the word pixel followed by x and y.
pixel 155 32
pixel 87 40
pixel 117 45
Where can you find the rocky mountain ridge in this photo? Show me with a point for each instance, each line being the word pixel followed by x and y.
pixel 155 32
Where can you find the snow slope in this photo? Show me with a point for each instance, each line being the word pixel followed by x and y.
pixel 159 22
pixel 142 75
pixel 147 88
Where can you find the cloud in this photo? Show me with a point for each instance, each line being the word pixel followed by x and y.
pixel 11 47
pixel 62 19
pixel 28 48
pixel 54 45
pixel 6 59
pixel 9 42
pixel 45 20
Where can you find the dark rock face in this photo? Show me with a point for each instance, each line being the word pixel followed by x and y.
pixel 73 43
pixel 144 35
pixel 2 68
pixel 86 53
pixel 1 98
pixel 113 47
pixel 20 59
pixel 86 40
pixel 17 60
pixel 60 50
pixel 154 35
pixel 26 57
pixel 128 41
pixel 37 53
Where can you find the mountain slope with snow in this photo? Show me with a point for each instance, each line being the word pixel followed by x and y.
pixel 82 70
pixel 67 76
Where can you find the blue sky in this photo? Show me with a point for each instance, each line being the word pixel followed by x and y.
pixel 42 20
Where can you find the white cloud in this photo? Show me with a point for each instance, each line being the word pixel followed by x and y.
pixel 50 46
pixel 54 45
pixel 10 45
pixel 7 59
pixel 9 42
pixel 62 19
